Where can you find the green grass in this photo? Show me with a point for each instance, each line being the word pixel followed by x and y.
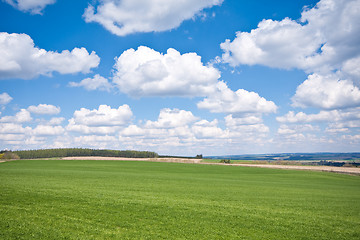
pixel 150 200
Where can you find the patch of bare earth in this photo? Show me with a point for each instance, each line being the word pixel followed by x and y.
pixel 347 170
pixel 177 160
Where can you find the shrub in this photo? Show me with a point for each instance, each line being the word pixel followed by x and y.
pixel 225 161
pixel 9 155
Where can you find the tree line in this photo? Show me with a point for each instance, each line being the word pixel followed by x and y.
pixel 79 152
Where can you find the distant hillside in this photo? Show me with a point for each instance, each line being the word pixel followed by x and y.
pixel 72 152
pixel 292 156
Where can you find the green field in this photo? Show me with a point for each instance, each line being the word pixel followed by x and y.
pixel 149 200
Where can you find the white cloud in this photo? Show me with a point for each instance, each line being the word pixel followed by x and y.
pixel 104 120
pixel 104 116
pixel 55 121
pixel 45 130
pixel 335 123
pixel 296 129
pixel 351 67
pixel 170 118
pixel 32 6
pixel 19 58
pixel 284 44
pixel 336 129
pixel 326 92
pixel 326 36
pixel 97 82
pixel 302 117
pixel 177 129
pixel 13 133
pixel 22 116
pixel 5 98
pixel 84 129
pixel 205 129
pixel 44 109
pixel 33 140
pixel 123 17
pixel 239 127
pixel 13 128
pixel 243 120
pixel 323 43
pixel 182 131
pixel 146 72
pixel 227 101
pixel 133 130
pixel 322 116
pixel 10 138
pixel 352 137
pixel 98 142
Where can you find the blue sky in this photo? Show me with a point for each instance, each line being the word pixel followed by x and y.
pixel 213 77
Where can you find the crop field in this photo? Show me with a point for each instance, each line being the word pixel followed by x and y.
pixel 55 199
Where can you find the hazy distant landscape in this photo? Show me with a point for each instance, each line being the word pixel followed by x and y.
pixel 293 156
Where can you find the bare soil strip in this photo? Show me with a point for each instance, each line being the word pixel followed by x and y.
pixel 178 160
pixel 347 170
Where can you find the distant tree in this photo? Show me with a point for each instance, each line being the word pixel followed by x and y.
pixel 199 156
pixel 78 152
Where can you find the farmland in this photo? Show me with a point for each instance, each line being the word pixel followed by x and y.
pixel 153 200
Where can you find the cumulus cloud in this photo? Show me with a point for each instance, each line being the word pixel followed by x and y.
pixel 103 116
pixel 171 123
pixel 146 72
pixel 225 100
pixel 205 129
pixel 55 121
pixel 104 120
pixel 325 37
pixel 296 129
pixel 96 83
pixel 302 117
pixel 96 141
pixel 11 138
pixel 351 68
pixel 5 98
pixel 322 116
pixel 180 130
pixel 170 118
pixel 284 44
pixel 32 6
pixel 46 130
pixel 13 128
pixel 326 92
pixel 248 119
pixel 22 116
pixel 239 126
pixel 13 133
pixel 335 123
pixel 123 17
pixel 19 58
pixel 44 109
pixel 84 129
pixel 323 43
